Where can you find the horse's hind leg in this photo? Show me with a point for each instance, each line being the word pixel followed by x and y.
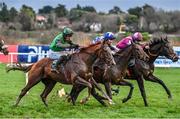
pixel 125 83
pixel 98 97
pixel 49 85
pixel 75 92
pixel 100 89
pixel 31 82
pixel 153 78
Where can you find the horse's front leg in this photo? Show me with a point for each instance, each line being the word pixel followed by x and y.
pixel 153 78
pixel 76 92
pixel 108 89
pixel 140 82
pixel 125 83
pixel 100 89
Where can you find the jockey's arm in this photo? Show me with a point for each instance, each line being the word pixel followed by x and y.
pixel 69 44
pixel 60 45
pixel 145 45
pixel 113 48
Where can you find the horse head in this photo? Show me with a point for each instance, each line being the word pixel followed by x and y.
pixel 105 54
pixel 98 50
pixel 162 47
pixel 3 48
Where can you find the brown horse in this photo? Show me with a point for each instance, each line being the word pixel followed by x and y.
pixel 158 47
pixel 75 72
pixel 3 48
pixel 116 73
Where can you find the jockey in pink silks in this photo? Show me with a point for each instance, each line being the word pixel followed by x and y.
pixel 136 37
pixel 125 42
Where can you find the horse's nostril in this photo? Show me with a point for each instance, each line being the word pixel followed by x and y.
pixel 175 59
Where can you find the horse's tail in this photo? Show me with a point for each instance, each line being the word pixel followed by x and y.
pixel 18 66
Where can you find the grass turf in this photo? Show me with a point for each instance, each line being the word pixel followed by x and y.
pixel 32 106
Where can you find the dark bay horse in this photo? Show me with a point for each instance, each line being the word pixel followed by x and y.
pixel 3 48
pixel 75 72
pixel 115 74
pixel 158 47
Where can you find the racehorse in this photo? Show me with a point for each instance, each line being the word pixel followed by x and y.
pixel 76 72
pixel 158 47
pixel 3 48
pixel 115 74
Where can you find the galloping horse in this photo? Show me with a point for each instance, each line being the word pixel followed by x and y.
pixel 158 47
pixel 115 74
pixel 76 71
pixel 3 48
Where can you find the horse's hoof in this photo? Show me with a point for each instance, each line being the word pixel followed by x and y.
pixel 146 105
pixel 124 100
pixel 170 97
pixel 111 103
pixel 82 101
pixel 46 104
pixel 15 105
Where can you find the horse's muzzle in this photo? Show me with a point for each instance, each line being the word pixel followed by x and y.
pixel 175 58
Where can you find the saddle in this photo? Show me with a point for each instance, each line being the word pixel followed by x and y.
pixel 65 59
pixel 61 62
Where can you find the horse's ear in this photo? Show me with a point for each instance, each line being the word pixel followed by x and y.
pixel 166 39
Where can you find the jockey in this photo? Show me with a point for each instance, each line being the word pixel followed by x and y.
pixel 136 37
pixel 98 39
pixel 58 47
pixel 107 35
pixel 125 42
pixel 107 41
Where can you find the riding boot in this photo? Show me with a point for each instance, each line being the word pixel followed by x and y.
pixel 57 63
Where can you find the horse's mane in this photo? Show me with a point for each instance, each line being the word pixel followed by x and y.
pixel 91 45
pixel 157 40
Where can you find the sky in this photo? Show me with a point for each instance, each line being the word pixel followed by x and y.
pixel 100 5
